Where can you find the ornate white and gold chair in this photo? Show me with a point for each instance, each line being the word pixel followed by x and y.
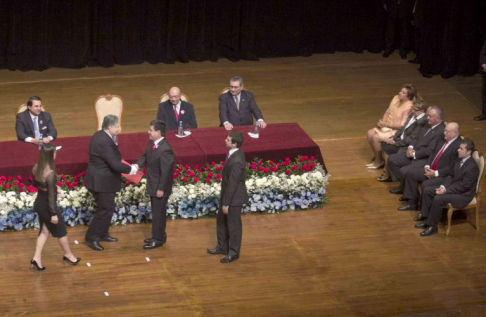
pixel 108 104
pixel 23 107
pixel 165 97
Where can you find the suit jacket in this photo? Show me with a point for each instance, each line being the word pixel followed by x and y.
pixel 402 10
pixel 103 174
pixel 446 162
pixel 186 115
pixel 411 133
pixel 248 108
pixel 426 143
pixel 160 167
pixel 233 188
pixel 463 182
pixel 25 126
pixel 482 55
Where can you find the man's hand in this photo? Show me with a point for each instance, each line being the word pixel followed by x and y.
pixel 228 126
pixel 35 141
pixel 225 209
pixel 159 193
pixel 46 140
pixel 389 141
pixel 484 67
pixel 429 173
pixel 262 124
pixel 54 220
pixel 410 153
pixel 440 191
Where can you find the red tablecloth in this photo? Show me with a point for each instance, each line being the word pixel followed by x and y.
pixel 276 142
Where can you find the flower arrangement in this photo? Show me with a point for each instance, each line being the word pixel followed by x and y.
pixel 273 187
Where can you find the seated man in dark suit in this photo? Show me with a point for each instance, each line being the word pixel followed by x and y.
pixel 438 167
pixel 238 106
pixel 175 110
pixel 405 136
pixel 457 189
pixel 33 124
pixel 419 151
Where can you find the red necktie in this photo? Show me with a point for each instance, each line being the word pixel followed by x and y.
pixel 153 147
pixel 176 114
pixel 436 160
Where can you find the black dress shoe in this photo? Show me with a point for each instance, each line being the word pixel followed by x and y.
pixel 148 240
pixel 407 207
pixel 215 251
pixel 480 118
pixel 402 199
pixel 109 239
pixel 387 53
pixel 414 61
pixel 419 217
pixel 398 190
pixel 153 244
pixel 421 225
pixel 229 258
pixel 95 245
pixel 429 231
pixel 381 179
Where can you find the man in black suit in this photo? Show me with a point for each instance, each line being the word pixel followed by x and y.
pixel 458 189
pixel 160 161
pixel 401 10
pixel 237 106
pixel 419 150
pixel 103 179
pixel 175 110
pixel 33 124
pixel 405 136
pixel 233 196
pixel 482 63
pixel 438 167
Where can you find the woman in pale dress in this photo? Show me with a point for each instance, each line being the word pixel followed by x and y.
pixel 394 118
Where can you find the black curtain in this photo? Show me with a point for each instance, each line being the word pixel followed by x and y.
pixel 38 34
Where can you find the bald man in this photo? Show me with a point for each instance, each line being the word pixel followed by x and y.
pixel 175 110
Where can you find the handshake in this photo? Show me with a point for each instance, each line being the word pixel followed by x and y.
pixel 134 170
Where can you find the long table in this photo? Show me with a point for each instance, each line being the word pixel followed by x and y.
pixel 276 142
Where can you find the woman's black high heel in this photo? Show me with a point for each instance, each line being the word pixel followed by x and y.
pixel 71 262
pixel 34 264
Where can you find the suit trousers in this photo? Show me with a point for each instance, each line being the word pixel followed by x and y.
pixel 415 176
pixel 100 224
pixel 432 205
pixel 159 217
pixel 389 149
pixel 484 93
pixel 229 231
pixel 404 33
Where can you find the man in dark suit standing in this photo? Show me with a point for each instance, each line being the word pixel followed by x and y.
pixel 482 63
pixel 238 106
pixel 103 179
pixel 175 110
pixel 33 124
pixel 458 189
pixel 233 196
pixel 160 161
pixel 400 10
pixel 438 167
pixel 419 151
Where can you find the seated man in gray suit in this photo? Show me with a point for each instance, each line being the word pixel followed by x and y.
pixel 33 124
pixel 238 106
pixel 457 189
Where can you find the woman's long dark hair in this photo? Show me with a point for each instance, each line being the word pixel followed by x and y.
pixel 46 158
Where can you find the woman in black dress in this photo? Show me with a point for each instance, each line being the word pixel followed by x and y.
pixel 50 217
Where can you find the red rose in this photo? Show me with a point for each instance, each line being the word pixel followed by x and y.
pixel 210 174
pixel 295 167
pixel 83 173
pixel 181 169
pixel 271 162
pixel 195 179
pixel 213 163
pixel 10 178
pixel 312 165
pixel 219 168
pixel 208 179
pixel 312 158
pixel 287 159
pixel 84 183
pixel 218 176
pixel 2 178
pixel 184 179
pixel 278 164
pixel 285 163
pixel 21 190
pixel 301 159
pixel 127 183
pixel 75 184
pixel 260 168
pixel 63 177
pixel 21 185
pixel 206 169
pixel 253 166
pixel 16 183
pixel 71 186
pixel 187 167
pixel 78 176
pixel 222 163
pixel 59 184
pixel 19 178
pixel 267 170
pixel 287 172
pixel 196 166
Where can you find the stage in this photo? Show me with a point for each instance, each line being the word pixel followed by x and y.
pixel 355 256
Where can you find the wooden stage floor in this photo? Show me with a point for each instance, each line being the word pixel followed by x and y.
pixel 356 256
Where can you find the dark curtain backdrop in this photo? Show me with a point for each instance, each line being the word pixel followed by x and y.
pixel 38 34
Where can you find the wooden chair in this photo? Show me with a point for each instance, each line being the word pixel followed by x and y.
pixel 23 107
pixel 108 104
pixel 474 204
pixel 165 97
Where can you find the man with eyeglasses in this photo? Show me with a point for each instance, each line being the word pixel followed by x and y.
pixel 238 107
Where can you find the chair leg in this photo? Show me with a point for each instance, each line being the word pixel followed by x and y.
pixel 476 213
pixel 449 218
